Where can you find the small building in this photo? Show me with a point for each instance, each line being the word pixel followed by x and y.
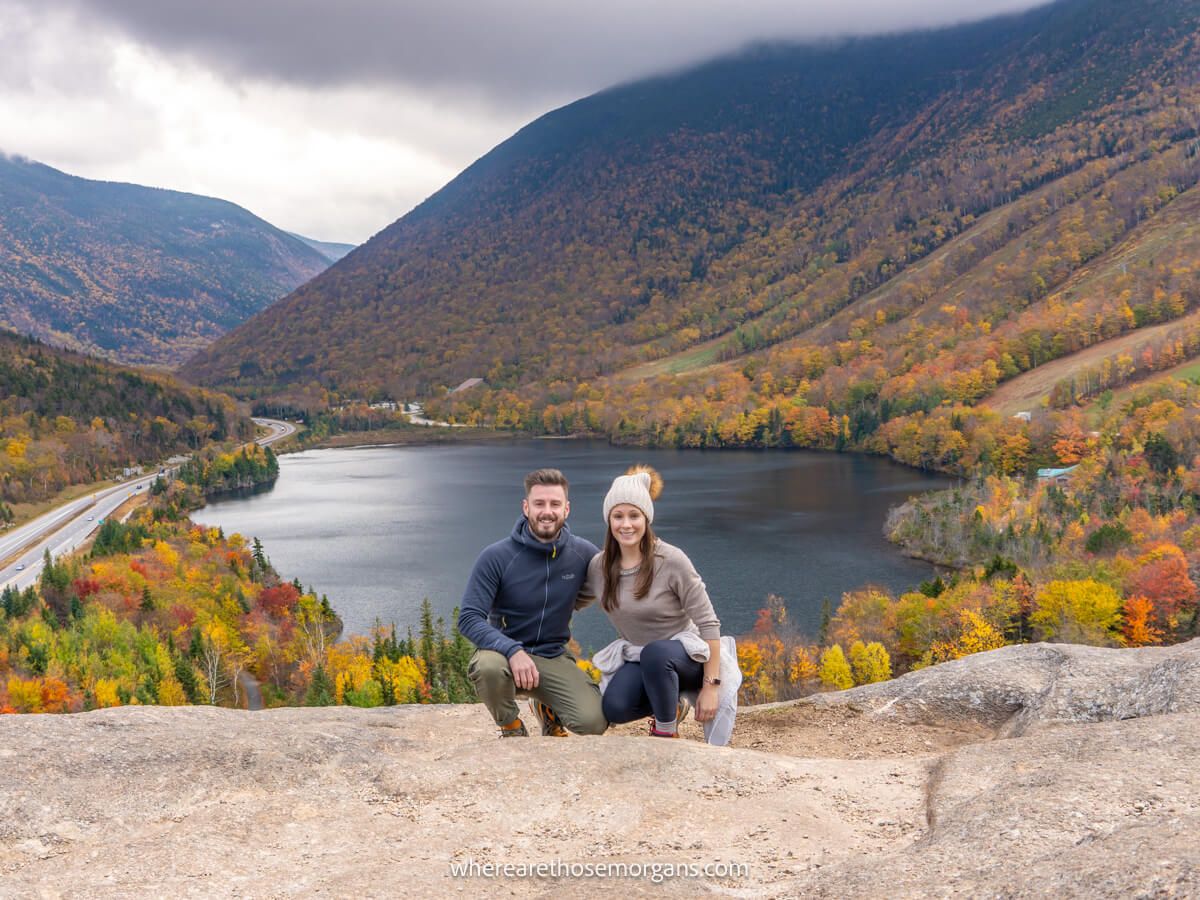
pixel 1024 416
pixel 1058 476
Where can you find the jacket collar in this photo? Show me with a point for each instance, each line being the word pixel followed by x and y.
pixel 522 535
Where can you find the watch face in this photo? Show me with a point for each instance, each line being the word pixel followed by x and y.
pixel 712 680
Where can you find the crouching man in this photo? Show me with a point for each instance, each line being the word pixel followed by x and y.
pixel 517 612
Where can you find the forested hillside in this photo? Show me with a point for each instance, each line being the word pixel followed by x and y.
pixel 164 612
pixel 68 419
pixel 805 214
pixel 131 273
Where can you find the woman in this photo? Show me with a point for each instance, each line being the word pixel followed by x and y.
pixel 657 603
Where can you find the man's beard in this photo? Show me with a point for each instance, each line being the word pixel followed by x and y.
pixel 546 529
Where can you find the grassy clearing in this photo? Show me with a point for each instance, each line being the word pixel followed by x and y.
pixel 1030 390
pixel 691 360
pixel 1095 410
pixel 416 436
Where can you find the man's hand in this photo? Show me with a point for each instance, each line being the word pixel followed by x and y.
pixel 524 672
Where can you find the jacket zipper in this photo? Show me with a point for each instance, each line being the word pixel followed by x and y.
pixel 545 601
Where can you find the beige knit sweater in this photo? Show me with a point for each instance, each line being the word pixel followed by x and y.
pixel 677 600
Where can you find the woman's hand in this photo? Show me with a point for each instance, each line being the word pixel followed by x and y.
pixel 706 703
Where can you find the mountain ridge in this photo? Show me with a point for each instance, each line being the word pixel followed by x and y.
pixel 690 233
pixel 131 273
pixel 331 250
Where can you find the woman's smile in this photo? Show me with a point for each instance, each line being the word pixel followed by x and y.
pixel 628 524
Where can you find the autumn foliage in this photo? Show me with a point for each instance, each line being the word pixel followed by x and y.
pixel 1106 557
pixel 174 613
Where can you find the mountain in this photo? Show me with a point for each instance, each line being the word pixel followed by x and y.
pixel 848 227
pixel 131 273
pixel 70 419
pixel 329 249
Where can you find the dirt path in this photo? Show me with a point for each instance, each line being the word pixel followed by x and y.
pixel 1026 392
pixel 826 733
pixel 254 700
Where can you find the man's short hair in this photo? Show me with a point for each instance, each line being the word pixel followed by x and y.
pixel 545 476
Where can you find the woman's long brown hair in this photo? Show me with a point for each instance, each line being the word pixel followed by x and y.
pixel 612 568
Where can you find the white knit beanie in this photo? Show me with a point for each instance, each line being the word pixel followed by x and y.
pixel 639 486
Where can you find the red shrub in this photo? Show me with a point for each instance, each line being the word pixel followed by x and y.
pixel 184 616
pixel 85 587
pixel 279 599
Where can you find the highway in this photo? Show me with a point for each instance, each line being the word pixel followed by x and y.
pixel 66 528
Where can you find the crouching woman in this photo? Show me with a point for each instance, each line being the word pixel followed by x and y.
pixel 670 636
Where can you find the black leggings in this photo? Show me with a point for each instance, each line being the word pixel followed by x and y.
pixel 652 686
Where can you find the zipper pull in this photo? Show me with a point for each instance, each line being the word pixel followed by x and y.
pixel 554 552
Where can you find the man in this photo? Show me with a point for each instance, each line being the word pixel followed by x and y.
pixel 517 612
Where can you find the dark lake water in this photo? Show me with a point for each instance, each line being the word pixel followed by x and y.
pixel 379 528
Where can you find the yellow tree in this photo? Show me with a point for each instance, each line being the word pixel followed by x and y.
pixel 803 667
pixel 105 693
pixel 835 671
pixel 222 657
pixel 1081 612
pixel 311 636
pixel 871 662
pixel 750 659
pixel 1139 629
pixel 976 634
pixel 403 676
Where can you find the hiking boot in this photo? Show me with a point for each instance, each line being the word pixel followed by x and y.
pixel 551 725
pixel 515 728
pixel 682 708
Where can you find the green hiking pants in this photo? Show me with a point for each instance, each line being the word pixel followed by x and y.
pixel 562 686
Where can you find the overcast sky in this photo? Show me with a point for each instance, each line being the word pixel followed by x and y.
pixel 335 117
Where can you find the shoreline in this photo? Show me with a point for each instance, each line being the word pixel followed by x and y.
pixel 505 444
pixel 383 437
pixel 433 436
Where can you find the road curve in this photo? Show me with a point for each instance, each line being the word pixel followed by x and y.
pixel 279 430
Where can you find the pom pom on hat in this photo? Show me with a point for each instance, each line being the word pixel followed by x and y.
pixel 640 486
pixel 656 482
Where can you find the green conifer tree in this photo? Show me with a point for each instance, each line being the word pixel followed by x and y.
pixel 320 689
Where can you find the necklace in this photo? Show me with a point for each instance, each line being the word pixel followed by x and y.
pixel 632 571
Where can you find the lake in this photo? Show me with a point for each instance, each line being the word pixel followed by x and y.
pixel 378 529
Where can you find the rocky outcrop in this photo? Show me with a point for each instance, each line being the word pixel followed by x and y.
pixel 1027 686
pixel 1014 773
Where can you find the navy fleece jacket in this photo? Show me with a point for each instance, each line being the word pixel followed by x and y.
pixel 522 592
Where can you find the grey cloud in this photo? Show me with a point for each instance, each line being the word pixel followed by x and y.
pixel 39 50
pixel 518 54
pixel 405 92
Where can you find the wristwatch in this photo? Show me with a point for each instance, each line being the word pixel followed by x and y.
pixel 708 680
